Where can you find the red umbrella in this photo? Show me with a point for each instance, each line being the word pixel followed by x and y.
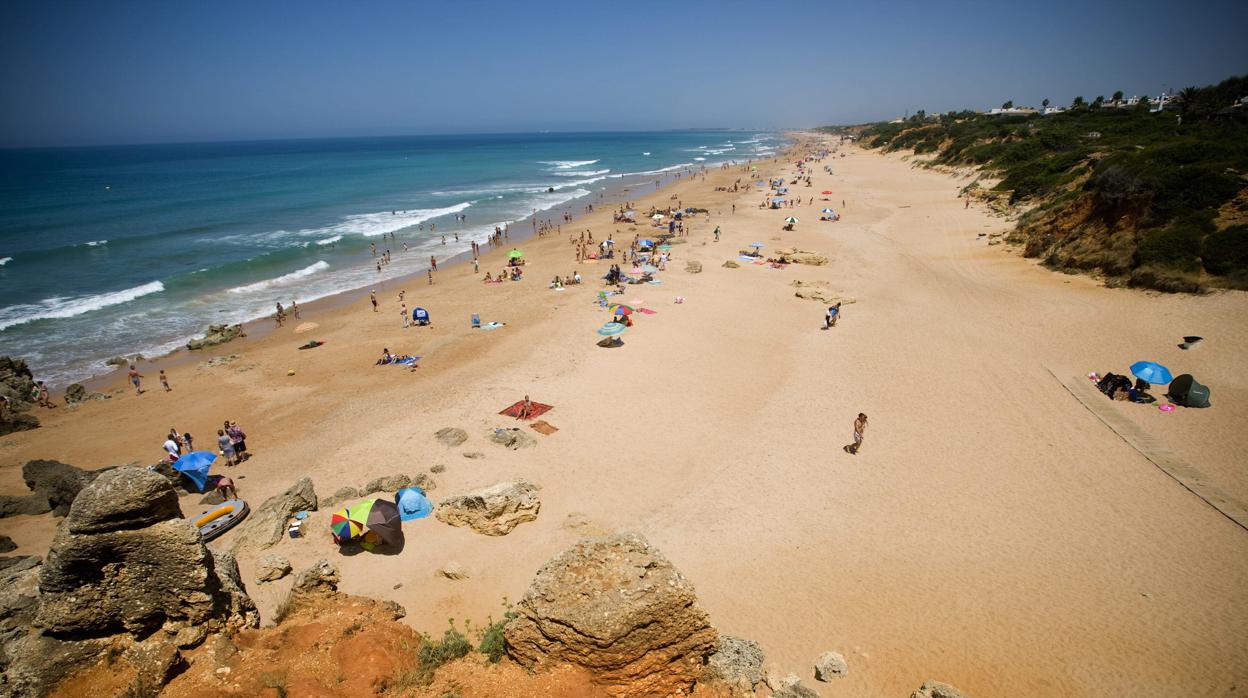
pixel 825 191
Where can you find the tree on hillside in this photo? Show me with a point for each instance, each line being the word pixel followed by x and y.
pixel 1188 96
pixel 1117 97
pixel 1098 102
pixel 1078 103
pixel 1008 104
pixel 1143 104
pixel 1045 103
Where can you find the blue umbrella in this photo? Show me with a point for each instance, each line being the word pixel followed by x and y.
pixel 647 243
pixel 412 503
pixel 756 244
pixel 611 329
pixel 1151 372
pixel 778 200
pixel 194 466
pixel 827 210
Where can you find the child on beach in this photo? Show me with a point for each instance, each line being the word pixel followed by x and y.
pixel 135 378
pixel 860 426
pixel 164 380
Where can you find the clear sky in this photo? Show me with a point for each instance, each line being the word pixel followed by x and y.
pixel 99 72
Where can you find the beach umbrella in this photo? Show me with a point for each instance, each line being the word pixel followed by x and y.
pixel 515 254
pixel 348 523
pixel 611 329
pixel 194 466
pixel 412 503
pixel 629 214
pixel 610 242
pixel 756 245
pixel 646 243
pixel 1151 372
pixel 778 200
pixel 826 192
pixel 783 190
pixel 380 516
pixel 827 210
pixel 622 310
pixel 790 219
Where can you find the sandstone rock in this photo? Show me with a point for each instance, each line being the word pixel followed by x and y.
pixel 453 570
pixel 126 547
pixel 216 334
pixel 16 384
pixel 495 510
pixel 792 687
pixel 320 578
pixel 451 436
pixel 936 689
pixel 513 439
pixel 342 495
pixel 6 544
pixel 36 662
pixel 474 455
pixel 57 482
pixel 437 468
pixel 830 665
pixel 155 661
pixel 267 523
pixel 25 505
pixel 617 608
pixel 117 361
pixel 424 481
pixel 75 393
pixel 220 361
pixel 15 564
pixel 737 662
pixel 271 568
pixel 731 265
pixel 123 499
pixel 693 267
pixel 391 484
pixel 212 499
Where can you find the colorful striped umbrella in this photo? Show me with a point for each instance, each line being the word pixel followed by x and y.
pixel 377 515
pixel 611 329
pixel 790 219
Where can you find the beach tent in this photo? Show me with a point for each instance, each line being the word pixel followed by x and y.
pixel 194 466
pixel 1187 392
pixel 420 316
pixel 412 503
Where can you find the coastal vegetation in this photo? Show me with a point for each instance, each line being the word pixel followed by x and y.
pixel 1154 198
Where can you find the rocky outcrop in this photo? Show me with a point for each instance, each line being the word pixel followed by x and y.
pixel 126 547
pixel 217 334
pixel 736 662
pixel 16 384
pixel 451 436
pixel 513 439
pixel 6 544
pixel 23 505
pixel 320 578
pixel 796 256
pixel 271 568
pixel 343 494
pixel 495 510
pixel 57 482
pixel 936 689
pixel 730 265
pixel 693 266
pixel 830 665
pixel 391 483
pixel 792 687
pixel 77 393
pixel 267 523
pixel 453 570
pixel 619 609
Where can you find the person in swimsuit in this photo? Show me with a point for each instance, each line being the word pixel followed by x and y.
pixel 526 408
pixel 135 378
pixel 860 426
pixel 164 380
pixel 225 487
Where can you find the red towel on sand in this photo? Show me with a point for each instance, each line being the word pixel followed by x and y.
pixel 537 410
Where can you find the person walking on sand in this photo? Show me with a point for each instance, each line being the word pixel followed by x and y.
pixel 226 446
pixel 860 426
pixel 373 298
pixel 403 313
pixel 433 263
pixel 833 314
pixel 135 378
pixel 164 380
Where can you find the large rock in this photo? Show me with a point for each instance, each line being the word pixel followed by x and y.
pixel 75 393
pixel 451 436
pixel 391 483
pixel 792 687
pixel 495 510
pixel 126 547
pixel 123 499
pixel 6 544
pixel 216 334
pixel 267 523
pixel 23 505
pixel 693 266
pixel 16 384
pixel 513 439
pixel 271 568
pixel 738 663
pixel 616 607
pixel 343 494
pixel 320 578
pixel 936 689
pixel 57 482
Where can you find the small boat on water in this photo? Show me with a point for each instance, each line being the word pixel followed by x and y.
pixel 223 517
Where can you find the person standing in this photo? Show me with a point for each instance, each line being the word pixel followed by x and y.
pixel 403 312
pixel 164 380
pixel 373 298
pixel 860 427
pixel 189 441
pixel 226 446
pixel 433 262
pixel 171 449
pixel 238 439
pixel 135 378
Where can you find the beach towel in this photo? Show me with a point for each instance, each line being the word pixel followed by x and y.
pixel 541 426
pixel 312 344
pixel 409 361
pixel 655 282
pixel 646 311
pixel 492 325
pixel 537 410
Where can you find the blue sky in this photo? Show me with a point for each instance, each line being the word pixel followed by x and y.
pixel 97 72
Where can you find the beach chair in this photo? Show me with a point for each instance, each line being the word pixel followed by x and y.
pixel 476 321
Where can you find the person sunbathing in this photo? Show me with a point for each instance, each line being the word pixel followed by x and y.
pixel 526 408
pixel 488 279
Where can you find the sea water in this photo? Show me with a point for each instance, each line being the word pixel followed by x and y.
pixel 135 249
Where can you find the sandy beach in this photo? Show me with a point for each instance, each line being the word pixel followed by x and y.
pixel 992 533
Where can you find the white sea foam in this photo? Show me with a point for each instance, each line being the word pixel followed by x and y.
pixel 646 153
pixel 383 222
pixel 661 170
pixel 96 243
pixel 283 279
pixel 567 164
pixel 329 240
pixel 581 173
pixel 58 307
pixel 5 260
pixel 699 159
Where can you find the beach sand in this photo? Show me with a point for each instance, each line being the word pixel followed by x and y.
pixel 992 533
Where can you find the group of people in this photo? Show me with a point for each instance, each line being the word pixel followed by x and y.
pixel 571 280
pixel 231 441
pixel 136 379
pixel 293 311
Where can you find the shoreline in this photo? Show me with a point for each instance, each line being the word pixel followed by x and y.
pixel 992 533
pixel 610 195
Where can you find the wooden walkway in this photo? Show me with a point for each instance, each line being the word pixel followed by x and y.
pixel 1154 450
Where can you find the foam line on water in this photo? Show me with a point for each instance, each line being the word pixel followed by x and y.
pixel 292 277
pixel 57 307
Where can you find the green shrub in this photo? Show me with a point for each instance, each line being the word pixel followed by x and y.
pixel 491 642
pixel 433 654
pixel 1226 252
pixel 1177 247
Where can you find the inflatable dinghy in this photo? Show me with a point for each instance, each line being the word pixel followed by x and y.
pixel 222 518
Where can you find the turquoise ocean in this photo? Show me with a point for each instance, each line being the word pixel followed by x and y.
pixel 135 249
